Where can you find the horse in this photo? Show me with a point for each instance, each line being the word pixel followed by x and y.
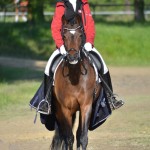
pixel 74 89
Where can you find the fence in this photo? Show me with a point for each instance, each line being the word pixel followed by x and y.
pixel 126 9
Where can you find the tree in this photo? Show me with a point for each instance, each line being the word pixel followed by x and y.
pixel 5 3
pixel 36 11
pixel 139 10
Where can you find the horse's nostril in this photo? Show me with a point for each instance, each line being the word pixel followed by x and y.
pixel 70 57
pixel 73 55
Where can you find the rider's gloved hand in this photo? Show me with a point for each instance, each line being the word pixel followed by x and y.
pixel 88 46
pixel 63 50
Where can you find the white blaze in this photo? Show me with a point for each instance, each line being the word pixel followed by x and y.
pixel 72 32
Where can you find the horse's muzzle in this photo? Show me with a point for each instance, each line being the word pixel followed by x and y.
pixel 73 56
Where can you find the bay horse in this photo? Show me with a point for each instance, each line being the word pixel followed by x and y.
pixel 74 87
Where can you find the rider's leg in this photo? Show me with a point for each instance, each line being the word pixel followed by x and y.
pixel 41 99
pixel 45 101
pixel 106 77
pixel 48 81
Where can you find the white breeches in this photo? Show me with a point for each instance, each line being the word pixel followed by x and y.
pixel 56 52
pixel 97 52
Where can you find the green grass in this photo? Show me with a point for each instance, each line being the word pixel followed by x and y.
pixel 17 86
pixel 120 43
pixel 124 44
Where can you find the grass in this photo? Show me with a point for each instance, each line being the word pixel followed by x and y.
pixel 126 44
pixel 120 43
pixel 17 86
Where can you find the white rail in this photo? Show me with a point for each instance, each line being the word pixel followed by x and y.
pixel 94 13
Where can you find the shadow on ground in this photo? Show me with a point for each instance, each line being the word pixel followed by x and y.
pixel 9 74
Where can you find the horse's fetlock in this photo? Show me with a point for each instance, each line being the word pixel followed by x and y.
pixel 70 140
pixel 84 141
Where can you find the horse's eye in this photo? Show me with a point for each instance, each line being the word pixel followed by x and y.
pixel 81 35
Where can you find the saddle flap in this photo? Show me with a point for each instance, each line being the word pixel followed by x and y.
pixel 100 111
pixel 96 60
pixel 55 63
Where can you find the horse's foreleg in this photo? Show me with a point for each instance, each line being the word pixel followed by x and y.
pixel 57 140
pixel 65 129
pixel 85 120
pixel 78 133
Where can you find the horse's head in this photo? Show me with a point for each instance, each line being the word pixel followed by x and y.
pixel 73 38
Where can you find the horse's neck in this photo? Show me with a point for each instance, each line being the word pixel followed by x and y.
pixel 78 71
pixel 74 72
pixel 74 69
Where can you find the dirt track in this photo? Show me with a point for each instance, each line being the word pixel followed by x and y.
pixel 19 132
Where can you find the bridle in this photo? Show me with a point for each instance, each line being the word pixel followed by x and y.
pixel 73 59
pixel 77 55
pixel 73 29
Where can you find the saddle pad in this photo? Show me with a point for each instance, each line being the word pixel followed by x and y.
pixel 59 60
pixel 100 111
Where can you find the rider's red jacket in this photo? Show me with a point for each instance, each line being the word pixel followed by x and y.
pixel 87 19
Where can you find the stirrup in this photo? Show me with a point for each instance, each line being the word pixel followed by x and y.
pixel 47 109
pixel 113 102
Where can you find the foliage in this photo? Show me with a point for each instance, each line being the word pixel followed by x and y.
pixel 115 39
pixel 26 40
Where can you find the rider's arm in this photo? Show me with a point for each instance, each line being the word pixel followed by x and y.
pixel 89 25
pixel 57 24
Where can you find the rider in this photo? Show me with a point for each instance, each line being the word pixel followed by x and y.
pixel 21 5
pixel 70 8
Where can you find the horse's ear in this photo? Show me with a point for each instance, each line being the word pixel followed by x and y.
pixel 64 20
pixel 78 19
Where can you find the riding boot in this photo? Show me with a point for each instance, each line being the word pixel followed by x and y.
pixel 107 85
pixel 42 98
pixel 44 106
pixel 105 76
pixel 47 116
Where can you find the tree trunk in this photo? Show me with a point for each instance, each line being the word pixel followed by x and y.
pixel 36 11
pixel 139 10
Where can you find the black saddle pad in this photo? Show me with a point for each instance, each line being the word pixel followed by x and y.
pixel 100 111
